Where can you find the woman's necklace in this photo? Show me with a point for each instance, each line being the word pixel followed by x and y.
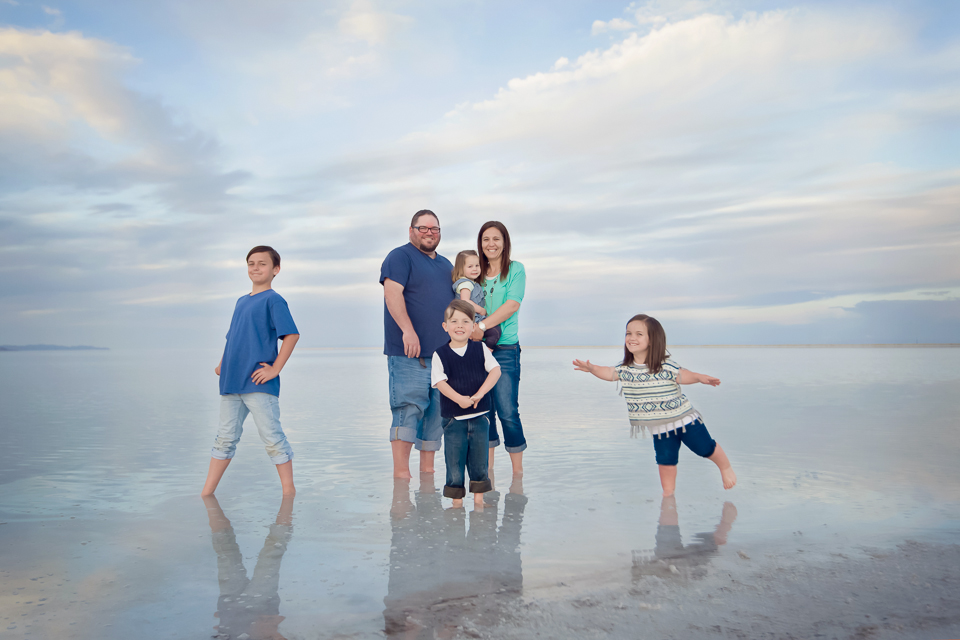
pixel 493 280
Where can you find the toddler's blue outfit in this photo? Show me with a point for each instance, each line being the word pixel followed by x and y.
pixel 479 297
pixel 258 322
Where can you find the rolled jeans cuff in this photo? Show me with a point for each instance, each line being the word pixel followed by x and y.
pixel 516 449
pixel 453 492
pixel 405 434
pixel 283 458
pixel 494 443
pixel 427 445
pixel 480 486
pixel 220 455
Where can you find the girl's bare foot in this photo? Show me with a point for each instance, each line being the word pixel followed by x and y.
pixel 668 479
pixel 729 477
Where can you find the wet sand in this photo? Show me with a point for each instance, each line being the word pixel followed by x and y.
pixel 841 525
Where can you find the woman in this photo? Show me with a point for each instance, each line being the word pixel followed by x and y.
pixel 503 282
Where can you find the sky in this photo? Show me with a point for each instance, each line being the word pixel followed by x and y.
pixel 748 172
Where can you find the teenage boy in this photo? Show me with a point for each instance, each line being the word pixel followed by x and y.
pixel 464 371
pixel 249 372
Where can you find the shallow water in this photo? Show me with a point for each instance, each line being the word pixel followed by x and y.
pixel 102 455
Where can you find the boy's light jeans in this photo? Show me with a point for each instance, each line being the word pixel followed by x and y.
pixel 265 409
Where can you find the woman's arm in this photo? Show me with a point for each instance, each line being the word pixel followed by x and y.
pixel 690 377
pixel 604 373
pixel 502 314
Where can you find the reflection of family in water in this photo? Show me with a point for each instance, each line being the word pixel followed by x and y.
pixel 249 606
pixel 670 556
pixel 451 568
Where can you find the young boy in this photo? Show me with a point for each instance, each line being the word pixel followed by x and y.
pixel 464 371
pixel 249 371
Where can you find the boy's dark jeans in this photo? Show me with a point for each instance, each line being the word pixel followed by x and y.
pixel 465 444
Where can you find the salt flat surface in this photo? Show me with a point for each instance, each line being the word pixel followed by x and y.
pixel 846 460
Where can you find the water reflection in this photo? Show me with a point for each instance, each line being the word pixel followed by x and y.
pixel 670 557
pixel 444 574
pixel 249 606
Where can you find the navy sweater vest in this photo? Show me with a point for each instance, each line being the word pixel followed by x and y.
pixel 465 374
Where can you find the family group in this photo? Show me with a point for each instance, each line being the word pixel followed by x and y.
pixel 453 358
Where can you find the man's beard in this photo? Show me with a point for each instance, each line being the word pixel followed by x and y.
pixel 424 246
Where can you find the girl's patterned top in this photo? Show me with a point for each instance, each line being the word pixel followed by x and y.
pixel 654 400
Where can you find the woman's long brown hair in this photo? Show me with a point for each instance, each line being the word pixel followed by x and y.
pixel 657 351
pixel 504 256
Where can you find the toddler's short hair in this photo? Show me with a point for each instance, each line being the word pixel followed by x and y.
pixel 462 306
pixel 274 256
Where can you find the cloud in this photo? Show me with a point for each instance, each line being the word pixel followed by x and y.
pixel 69 120
pixel 617 24
pixel 373 27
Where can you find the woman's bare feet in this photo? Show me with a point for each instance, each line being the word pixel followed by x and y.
pixel 516 461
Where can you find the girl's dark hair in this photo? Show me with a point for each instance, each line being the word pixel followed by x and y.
pixel 504 256
pixel 657 351
pixel 274 256
pixel 460 263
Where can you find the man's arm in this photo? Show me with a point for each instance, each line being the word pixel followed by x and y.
pixel 397 306
pixel 269 371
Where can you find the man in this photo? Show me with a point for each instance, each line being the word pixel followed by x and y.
pixel 416 290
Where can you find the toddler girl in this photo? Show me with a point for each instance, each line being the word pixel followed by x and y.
pixel 651 385
pixel 466 270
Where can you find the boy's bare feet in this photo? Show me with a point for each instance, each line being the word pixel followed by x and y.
pixel 285 471
pixel 478 501
pixel 457 503
pixel 214 473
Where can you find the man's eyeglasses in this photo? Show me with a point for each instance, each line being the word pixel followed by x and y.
pixel 434 230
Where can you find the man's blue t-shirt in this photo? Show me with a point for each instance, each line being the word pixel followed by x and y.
pixel 427 291
pixel 258 322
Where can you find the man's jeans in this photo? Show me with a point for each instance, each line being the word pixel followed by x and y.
pixel 505 397
pixel 414 403
pixel 265 409
pixel 465 445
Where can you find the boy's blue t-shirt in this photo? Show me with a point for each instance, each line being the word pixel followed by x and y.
pixel 258 322
pixel 426 292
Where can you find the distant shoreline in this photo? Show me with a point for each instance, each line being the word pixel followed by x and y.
pixel 48 347
pixel 922 345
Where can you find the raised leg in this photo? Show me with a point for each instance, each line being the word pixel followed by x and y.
pixel 720 459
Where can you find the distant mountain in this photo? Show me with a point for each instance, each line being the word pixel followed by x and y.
pixel 48 347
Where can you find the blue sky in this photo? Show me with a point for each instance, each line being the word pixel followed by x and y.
pixel 748 172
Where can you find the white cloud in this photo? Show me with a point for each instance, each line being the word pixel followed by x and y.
pixel 617 24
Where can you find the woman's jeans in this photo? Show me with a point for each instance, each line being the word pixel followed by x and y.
pixel 465 446
pixel 506 400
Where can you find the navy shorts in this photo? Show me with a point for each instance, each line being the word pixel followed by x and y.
pixel 696 437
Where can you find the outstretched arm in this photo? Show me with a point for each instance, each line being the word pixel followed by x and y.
pixel 691 377
pixel 604 373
